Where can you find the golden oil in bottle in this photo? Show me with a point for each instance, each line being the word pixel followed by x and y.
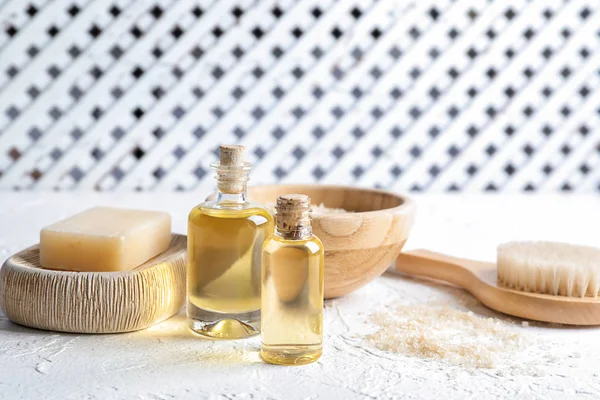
pixel 225 239
pixel 292 287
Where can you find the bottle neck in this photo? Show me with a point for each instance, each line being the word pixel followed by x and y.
pixel 293 234
pixel 231 198
pixel 231 184
pixel 293 223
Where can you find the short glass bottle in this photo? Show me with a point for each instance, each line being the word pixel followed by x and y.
pixel 225 239
pixel 292 287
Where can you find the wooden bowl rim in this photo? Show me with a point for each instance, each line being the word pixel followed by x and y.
pixel 406 203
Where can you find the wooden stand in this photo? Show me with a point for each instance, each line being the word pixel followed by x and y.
pixel 93 302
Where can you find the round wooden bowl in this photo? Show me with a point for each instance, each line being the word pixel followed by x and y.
pixel 359 245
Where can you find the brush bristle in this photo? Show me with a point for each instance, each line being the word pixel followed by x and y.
pixel 550 268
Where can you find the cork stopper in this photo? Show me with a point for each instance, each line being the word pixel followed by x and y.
pixel 231 155
pixel 232 171
pixel 293 216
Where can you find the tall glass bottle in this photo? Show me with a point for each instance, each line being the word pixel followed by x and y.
pixel 225 239
pixel 292 287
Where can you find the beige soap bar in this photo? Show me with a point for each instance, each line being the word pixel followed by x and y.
pixel 105 239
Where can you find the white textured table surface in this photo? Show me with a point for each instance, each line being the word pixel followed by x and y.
pixel 167 361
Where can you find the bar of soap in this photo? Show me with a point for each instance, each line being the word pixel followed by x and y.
pixel 105 239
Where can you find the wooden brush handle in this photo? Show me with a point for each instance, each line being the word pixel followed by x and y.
pixel 458 271
pixel 479 278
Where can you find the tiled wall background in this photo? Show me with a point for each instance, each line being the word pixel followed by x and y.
pixel 430 95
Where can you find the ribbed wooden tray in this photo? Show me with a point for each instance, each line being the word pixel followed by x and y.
pixel 93 302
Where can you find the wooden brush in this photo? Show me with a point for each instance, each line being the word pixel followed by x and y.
pixel 556 282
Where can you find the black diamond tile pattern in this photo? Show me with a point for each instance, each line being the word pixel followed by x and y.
pixel 445 95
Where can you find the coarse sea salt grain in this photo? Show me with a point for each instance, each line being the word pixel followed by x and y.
pixel 321 209
pixel 450 335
